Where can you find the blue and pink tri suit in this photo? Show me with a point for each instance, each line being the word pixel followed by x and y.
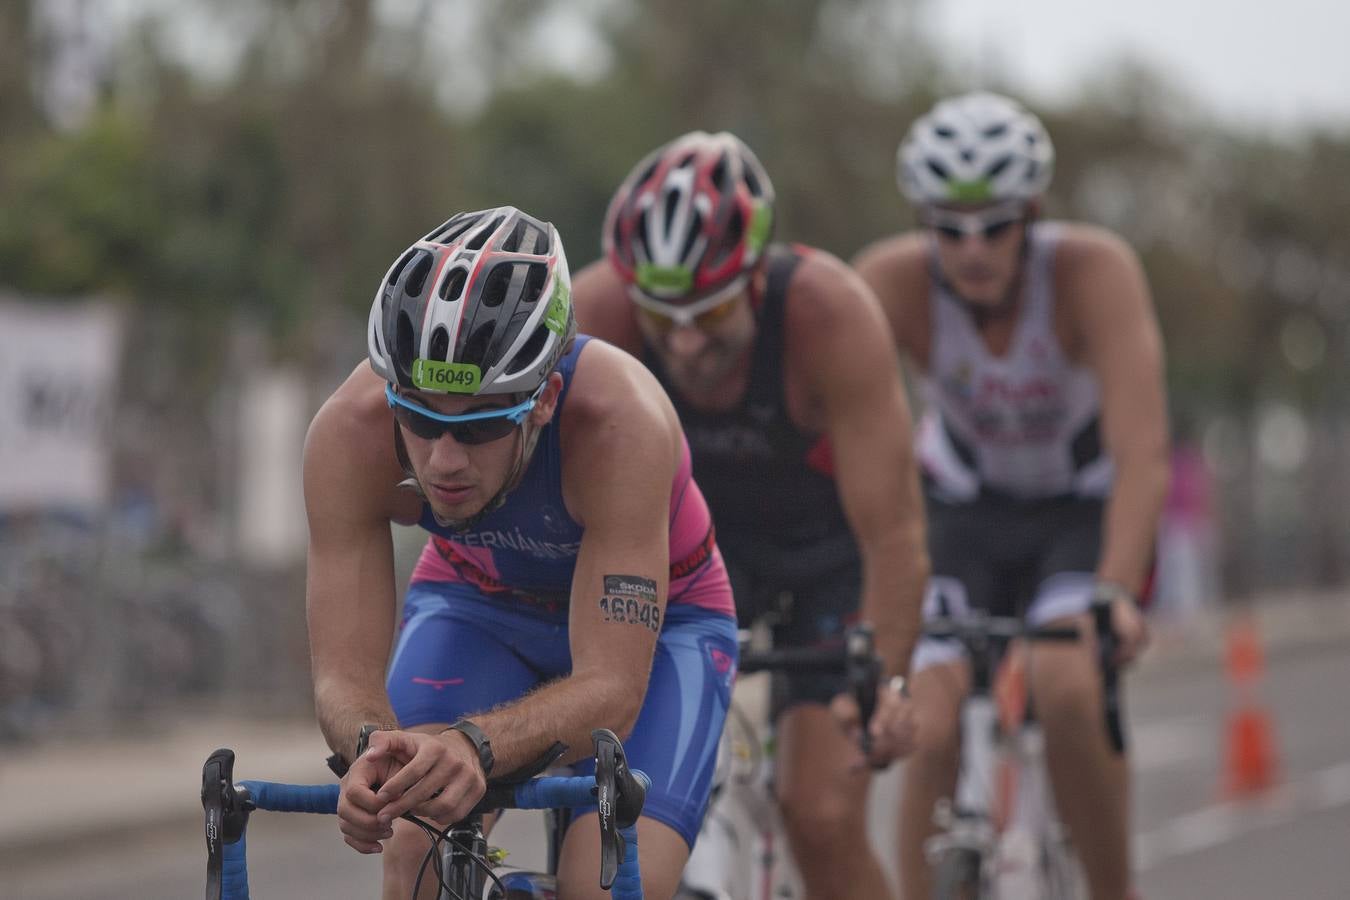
pixel 485 621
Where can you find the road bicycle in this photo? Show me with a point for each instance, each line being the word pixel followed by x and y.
pixel 742 850
pixel 459 857
pixel 1000 837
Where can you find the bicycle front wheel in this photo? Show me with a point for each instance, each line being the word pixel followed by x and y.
pixel 956 875
pixel 1064 878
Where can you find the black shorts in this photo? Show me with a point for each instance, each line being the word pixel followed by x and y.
pixel 1032 558
pixel 803 610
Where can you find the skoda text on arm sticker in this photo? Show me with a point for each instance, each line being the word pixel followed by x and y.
pixel 446 377
pixel 631 600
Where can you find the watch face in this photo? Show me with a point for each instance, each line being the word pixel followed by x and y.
pixel 363 739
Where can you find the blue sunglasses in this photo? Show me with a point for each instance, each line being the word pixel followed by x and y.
pixel 467 428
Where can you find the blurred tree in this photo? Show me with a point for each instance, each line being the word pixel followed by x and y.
pixel 263 161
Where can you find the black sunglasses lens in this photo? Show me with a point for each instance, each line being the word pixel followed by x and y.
pixel 951 234
pixel 476 431
pixel 425 428
pixel 482 431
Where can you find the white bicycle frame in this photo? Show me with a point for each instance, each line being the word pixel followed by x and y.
pixel 1030 857
pixel 742 849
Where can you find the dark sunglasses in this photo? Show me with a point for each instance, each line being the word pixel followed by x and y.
pixel 481 427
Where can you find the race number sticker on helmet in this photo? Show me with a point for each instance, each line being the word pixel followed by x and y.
pixel 976 148
pixel 454 378
pixel 481 305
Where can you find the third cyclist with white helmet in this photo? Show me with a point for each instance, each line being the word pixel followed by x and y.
pixel 788 387
pixel 1043 447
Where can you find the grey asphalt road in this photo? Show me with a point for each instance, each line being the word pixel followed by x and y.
pixel 1191 842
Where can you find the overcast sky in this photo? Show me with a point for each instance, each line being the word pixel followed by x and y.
pixel 1273 63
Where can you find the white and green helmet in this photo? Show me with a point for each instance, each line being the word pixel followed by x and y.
pixel 975 148
pixel 481 305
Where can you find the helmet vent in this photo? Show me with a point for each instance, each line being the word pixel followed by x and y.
pixel 731 239
pixel 535 277
pixel 403 347
pixel 402 264
pixel 752 182
pixel 524 238
pixel 481 238
pixel 529 354
pixel 439 233
pixel 452 285
pixel 719 173
pixel 417 276
pixel 937 168
pixel 996 131
pixel 497 283
pixel 647 173
pixel 672 202
pixel 944 132
pixel 997 168
pixel 696 228
pixel 475 349
pixel 440 344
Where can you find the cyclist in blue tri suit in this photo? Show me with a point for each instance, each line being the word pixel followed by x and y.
pixel 570 582
pixel 1043 447
pixel 778 360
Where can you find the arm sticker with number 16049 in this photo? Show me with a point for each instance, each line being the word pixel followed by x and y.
pixel 631 600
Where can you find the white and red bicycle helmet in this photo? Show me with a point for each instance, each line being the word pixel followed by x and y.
pixel 692 219
pixel 481 305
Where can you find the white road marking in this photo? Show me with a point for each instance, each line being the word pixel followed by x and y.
pixel 1207 828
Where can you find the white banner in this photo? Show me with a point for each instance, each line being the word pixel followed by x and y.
pixel 58 367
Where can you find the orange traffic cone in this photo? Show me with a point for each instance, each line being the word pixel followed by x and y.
pixel 1250 752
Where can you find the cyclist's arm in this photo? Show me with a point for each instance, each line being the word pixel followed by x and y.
pixel 620 451
pixel 837 329
pixel 1122 344
pixel 349 585
pixel 603 308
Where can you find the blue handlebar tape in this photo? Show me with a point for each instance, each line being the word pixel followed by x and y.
pixel 311 798
pixel 234 871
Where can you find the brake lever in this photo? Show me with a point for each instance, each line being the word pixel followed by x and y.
pixel 227 808
pixel 1107 644
pixel 619 797
pixel 863 670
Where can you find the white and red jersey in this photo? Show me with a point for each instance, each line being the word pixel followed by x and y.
pixel 1023 425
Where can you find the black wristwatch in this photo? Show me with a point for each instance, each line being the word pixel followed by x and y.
pixel 480 743
pixel 363 738
pixel 338 764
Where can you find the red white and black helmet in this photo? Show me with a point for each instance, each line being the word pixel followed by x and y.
pixel 691 220
pixel 481 305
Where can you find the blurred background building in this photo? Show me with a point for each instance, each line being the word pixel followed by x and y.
pixel 197 199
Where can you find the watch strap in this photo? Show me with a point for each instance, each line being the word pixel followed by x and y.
pixel 480 742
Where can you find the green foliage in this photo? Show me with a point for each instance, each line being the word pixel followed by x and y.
pixel 285 188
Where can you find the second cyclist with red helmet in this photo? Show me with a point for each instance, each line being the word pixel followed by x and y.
pixel 778 360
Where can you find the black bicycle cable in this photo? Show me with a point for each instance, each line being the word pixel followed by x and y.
pixel 433 855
